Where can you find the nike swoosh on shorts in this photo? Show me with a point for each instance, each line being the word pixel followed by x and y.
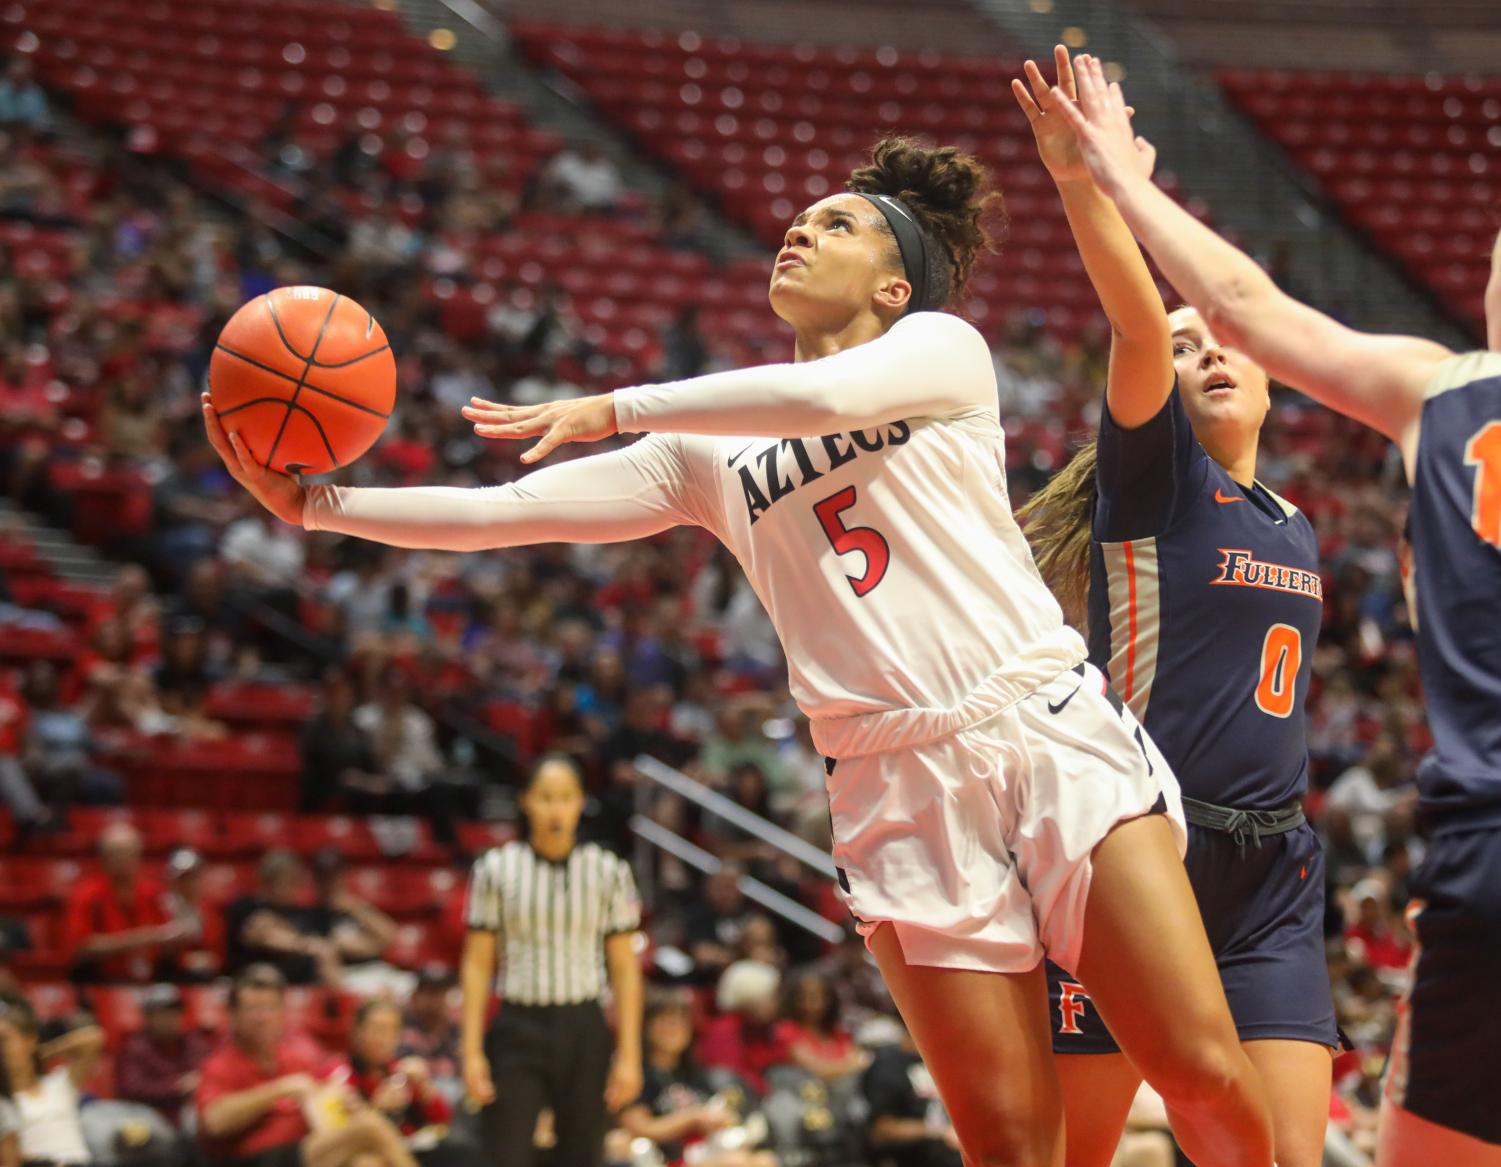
pixel 1059 707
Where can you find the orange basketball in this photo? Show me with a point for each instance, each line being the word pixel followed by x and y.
pixel 305 377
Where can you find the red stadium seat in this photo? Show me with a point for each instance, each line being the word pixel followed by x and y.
pixel 1387 150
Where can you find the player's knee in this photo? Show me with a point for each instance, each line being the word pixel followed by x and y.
pixel 1010 1136
pixel 1194 1074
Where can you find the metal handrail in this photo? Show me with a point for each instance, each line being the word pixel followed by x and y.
pixel 753 889
pixel 735 814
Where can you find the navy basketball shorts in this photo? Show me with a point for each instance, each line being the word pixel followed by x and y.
pixel 1449 1027
pixel 1263 908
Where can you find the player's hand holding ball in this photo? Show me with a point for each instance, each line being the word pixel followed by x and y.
pixel 302 380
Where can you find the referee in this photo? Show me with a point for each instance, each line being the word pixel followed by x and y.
pixel 562 917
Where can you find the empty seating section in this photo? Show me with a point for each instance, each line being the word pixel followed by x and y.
pixel 1372 36
pixel 209 81
pixel 768 129
pixel 1414 162
pixel 955 26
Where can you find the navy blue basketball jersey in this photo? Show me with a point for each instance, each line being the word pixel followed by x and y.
pixel 1455 530
pixel 1205 603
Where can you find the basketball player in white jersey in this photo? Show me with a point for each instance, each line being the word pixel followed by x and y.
pixel 991 799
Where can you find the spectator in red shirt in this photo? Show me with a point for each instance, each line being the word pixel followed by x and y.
pixel 1381 941
pixel 115 925
pixel 744 1038
pixel 200 956
pixel 253 1090
pixel 159 1064
pixel 401 1089
pixel 812 1035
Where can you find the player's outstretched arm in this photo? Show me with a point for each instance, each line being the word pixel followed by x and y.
pixel 607 498
pixel 1379 380
pixel 1493 300
pixel 931 364
pixel 1141 354
pixel 624 494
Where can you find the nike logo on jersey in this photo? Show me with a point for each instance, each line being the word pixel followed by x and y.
pixel 735 457
pixel 1059 707
pixel 1221 497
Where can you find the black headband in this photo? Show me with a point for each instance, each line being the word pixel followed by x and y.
pixel 911 241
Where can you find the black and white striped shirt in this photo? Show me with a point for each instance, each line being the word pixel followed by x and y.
pixel 551 918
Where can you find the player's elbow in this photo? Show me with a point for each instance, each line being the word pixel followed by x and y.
pixel 1232 306
pixel 1146 330
pixel 830 407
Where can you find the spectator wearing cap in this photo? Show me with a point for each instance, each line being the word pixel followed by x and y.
pixel 200 954
pixel 714 925
pixel 158 1065
pixel 430 1032
pixel 359 932
pixel 115 925
pixel 272 926
pixel 259 1086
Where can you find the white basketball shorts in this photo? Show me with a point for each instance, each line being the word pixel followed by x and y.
pixel 976 845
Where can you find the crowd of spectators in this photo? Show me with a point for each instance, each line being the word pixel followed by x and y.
pixel 423 660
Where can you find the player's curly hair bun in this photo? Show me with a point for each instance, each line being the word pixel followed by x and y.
pixel 951 194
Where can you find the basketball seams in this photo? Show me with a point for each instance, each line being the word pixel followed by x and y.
pixel 306 384
pixel 351 361
pixel 342 400
pixel 227 351
pixel 292 407
pixel 311 358
pixel 301 381
pixel 276 320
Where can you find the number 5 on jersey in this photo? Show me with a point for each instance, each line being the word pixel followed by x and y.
pixel 866 540
pixel 1281 657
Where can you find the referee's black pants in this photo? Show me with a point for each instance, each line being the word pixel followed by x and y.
pixel 542 1056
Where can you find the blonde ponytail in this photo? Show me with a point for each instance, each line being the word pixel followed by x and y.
pixel 1058 522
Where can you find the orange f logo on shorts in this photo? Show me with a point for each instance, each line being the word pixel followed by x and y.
pixel 1071 1006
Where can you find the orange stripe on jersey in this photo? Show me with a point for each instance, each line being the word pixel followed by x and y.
pixel 1131 626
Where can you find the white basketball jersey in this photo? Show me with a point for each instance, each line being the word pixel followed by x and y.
pixel 887 558
pixel 871 515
